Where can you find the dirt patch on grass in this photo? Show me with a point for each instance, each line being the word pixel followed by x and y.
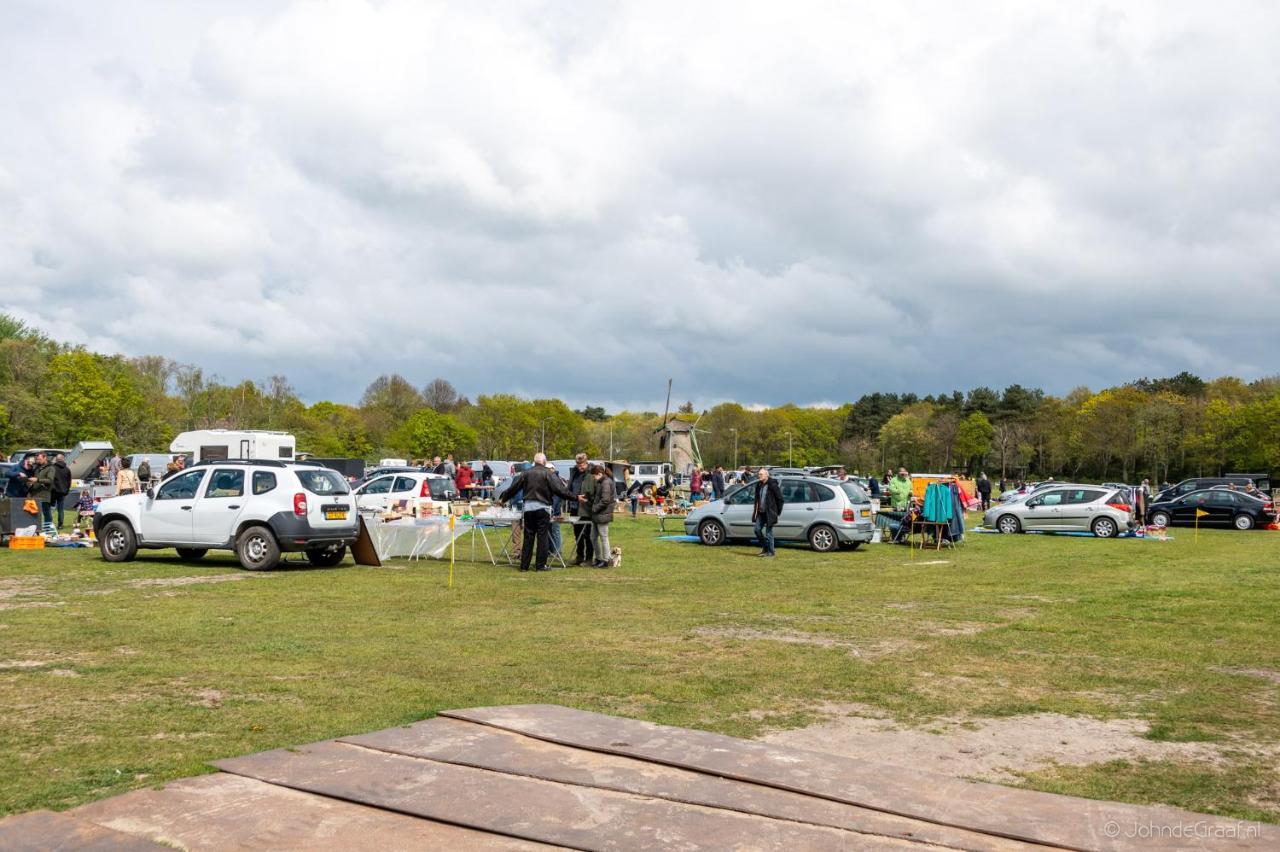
pixel 991 749
pixel 1261 674
pixel 25 593
pixel 870 650
pixel 191 581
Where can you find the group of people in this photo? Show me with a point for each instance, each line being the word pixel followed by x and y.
pixel 44 481
pixel 591 497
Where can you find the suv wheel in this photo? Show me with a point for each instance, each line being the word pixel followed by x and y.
pixel 192 552
pixel 1105 528
pixel 326 557
pixel 257 549
pixel 117 542
pixel 1243 522
pixel 823 539
pixel 1008 525
pixel 1159 519
pixel 711 533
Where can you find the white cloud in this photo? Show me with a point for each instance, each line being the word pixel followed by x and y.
pixel 767 202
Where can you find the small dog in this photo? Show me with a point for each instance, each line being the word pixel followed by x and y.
pixel 615 557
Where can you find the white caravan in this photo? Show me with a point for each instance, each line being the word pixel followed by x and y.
pixel 221 444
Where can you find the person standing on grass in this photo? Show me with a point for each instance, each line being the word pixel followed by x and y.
pixel 126 479
pixel 768 505
pixel 61 485
pixel 20 479
pixel 900 490
pixel 602 506
pixel 984 491
pixel 538 485
pixel 41 489
pixel 695 484
pixel 633 494
pixel 583 549
pixel 717 483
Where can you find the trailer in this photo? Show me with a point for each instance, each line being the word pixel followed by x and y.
pixel 220 444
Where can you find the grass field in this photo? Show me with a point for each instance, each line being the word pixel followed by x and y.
pixel 114 677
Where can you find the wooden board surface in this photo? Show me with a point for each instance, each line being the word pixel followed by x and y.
pixel 1064 821
pixel 528 808
pixel 53 832
pixel 224 811
pixel 468 744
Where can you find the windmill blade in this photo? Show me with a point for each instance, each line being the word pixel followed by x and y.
pixel 667 409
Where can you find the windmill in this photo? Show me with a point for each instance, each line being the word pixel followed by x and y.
pixel 678 438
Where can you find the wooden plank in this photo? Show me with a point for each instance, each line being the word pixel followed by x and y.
pixel 52 832
pixel 223 811
pixel 468 744
pixel 1072 823
pixel 531 809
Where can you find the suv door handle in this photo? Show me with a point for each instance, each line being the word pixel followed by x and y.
pixel 185 508
pixel 808 508
pixel 233 507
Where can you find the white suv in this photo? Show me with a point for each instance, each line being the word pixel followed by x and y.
pixel 256 508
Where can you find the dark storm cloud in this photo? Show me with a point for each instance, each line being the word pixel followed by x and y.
pixel 766 204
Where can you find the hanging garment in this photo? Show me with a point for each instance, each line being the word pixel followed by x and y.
pixel 938 504
pixel 956 529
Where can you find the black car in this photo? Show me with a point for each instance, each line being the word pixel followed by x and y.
pixel 1221 508
pixel 1200 483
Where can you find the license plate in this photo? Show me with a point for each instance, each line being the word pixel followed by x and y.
pixel 335 514
pixel 866 513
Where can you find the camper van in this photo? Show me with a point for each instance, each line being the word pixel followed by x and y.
pixel 219 444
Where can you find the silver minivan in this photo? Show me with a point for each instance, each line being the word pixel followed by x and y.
pixel 824 513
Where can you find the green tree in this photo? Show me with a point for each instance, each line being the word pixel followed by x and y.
pixel 973 440
pixel 428 432
pixel 904 438
pixel 80 402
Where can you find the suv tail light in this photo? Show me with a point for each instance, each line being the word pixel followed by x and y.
pixel 847 514
pixel 426 489
pixel 300 504
pixel 1117 504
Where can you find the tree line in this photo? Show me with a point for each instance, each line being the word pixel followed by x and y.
pixel 56 394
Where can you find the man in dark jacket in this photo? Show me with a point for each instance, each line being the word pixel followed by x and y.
pixel 20 479
pixel 61 484
pixel 41 489
pixel 717 482
pixel 580 482
pixel 539 485
pixel 984 491
pixel 765 513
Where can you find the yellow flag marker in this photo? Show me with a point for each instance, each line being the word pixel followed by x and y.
pixel 452 540
pixel 1200 513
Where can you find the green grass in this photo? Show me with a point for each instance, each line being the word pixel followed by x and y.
pixel 107 684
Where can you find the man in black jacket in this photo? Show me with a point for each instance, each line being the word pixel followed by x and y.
pixel 61 484
pixel 768 506
pixel 539 485
pixel 584 549
pixel 984 491
pixel 717 483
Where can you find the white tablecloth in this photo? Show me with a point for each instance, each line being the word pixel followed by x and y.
pixel 417 537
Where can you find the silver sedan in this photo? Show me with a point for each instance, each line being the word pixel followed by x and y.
pixel 1105 512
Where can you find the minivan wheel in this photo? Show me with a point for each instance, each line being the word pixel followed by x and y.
pixel 1243 522
pixel 823 539
pixel 1008 525
pixel 327 557
pixel 1105 528
pixel 711 533
pixel 1159 519
pixel 117 542
pixel 191 552
pixel 257 549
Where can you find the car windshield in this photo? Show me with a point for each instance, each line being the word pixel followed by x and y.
pixel 854 492
pixel 323 481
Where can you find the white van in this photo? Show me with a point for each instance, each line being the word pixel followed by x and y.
pixel 650 473
pixel 222 444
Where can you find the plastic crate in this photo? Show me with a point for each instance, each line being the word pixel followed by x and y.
pixel 26 542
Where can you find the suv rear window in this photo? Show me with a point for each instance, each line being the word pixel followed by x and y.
pixel 854 492
pixel 323 481
pixel 440 488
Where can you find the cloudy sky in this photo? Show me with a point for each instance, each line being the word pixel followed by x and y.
pixel 769 202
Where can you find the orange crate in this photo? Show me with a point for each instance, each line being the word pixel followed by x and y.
pixel 26 542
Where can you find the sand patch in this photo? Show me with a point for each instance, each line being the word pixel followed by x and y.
pixel 870 650
pixel 209 697
pixel 191 581
pixel 1261 674
pixel 991 749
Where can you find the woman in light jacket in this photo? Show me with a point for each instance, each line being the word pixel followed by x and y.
pixel 602 504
